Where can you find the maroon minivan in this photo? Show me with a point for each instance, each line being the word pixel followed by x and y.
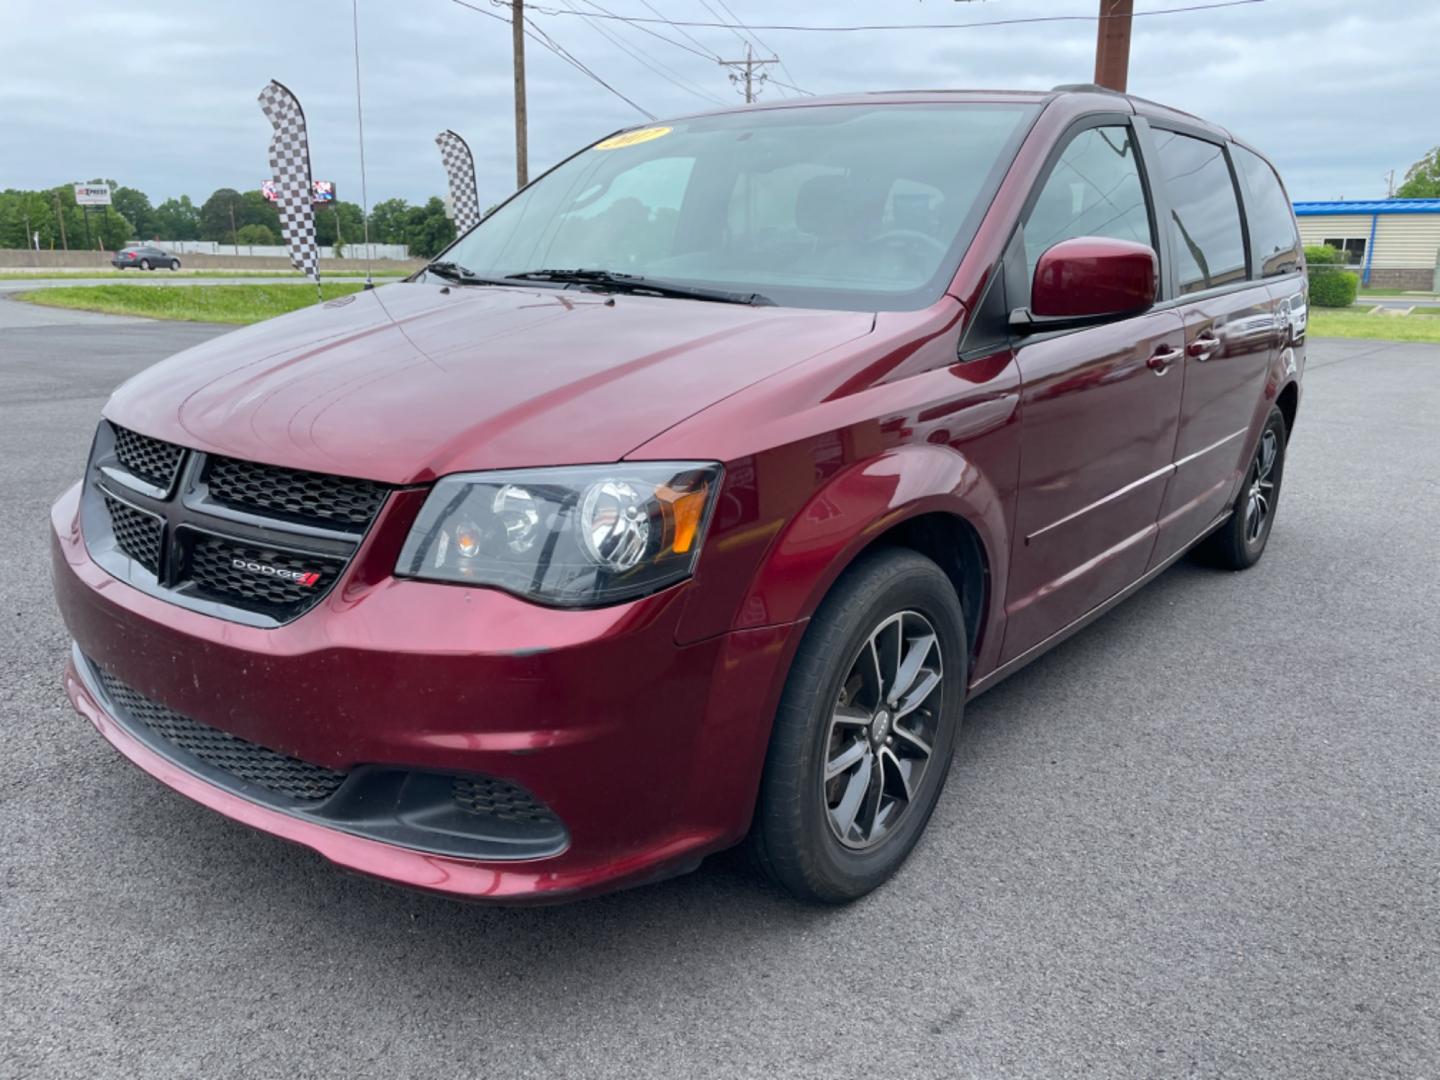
pixel 690 495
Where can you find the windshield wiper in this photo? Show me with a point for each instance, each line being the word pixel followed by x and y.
pixel 462 275
pixel 634 283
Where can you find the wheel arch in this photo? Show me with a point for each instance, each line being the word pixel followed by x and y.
pixel 1288 402
pixel 927 498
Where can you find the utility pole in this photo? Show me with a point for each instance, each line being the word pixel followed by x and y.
pixel 1390 184
pixel 234 236
pixel 61 218
pixel 517 34
pixel 1112 44
pixel 751 78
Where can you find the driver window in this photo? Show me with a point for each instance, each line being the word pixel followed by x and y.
pixel 1093 190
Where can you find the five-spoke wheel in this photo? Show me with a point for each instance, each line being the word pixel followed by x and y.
pixel 882 729
pixel 865 730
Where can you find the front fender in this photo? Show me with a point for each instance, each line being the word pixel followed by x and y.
pixel 859 505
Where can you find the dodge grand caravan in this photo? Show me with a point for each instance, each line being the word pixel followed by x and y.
pixel 687 498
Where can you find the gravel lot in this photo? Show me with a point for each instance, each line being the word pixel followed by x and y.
pixel 1198 839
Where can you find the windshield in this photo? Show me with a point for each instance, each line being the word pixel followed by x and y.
pixel 859 207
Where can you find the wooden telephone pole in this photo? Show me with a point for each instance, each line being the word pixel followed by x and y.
pixel 1112 44
pixel 517 34
pixel 751 80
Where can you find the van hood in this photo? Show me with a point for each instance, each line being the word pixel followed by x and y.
pixel 411 381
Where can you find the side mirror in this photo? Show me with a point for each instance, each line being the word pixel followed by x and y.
pixel 1086 280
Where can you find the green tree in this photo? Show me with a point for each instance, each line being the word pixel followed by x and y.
pixel 387 221
pixel 346 217
pixel 221 214
pixel 1422 180
pixel 135 207
pixel 256 234
pixel 427 229
pixel 176 219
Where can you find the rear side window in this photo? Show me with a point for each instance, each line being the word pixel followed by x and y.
pixel 1094 190
pixel 1205 233
pixel 1273 239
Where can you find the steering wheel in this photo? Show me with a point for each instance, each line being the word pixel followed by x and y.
pixel 911 235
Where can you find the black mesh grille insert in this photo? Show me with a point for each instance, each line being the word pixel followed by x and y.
pixel 250 576
pixel 492 797
pixel 150 459
pixel 314 498
pixel 219 749
pixel 136 533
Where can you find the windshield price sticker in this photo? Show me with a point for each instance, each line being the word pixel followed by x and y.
pixel 632 138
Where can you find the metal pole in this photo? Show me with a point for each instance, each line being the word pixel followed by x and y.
pixel 517 34
pixel 234 236
pixel 360 126
pixel 1112 44
pixel 60 216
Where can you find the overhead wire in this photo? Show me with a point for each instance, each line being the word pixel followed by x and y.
pixel 871 27
pixel 536 34
pixel 666 73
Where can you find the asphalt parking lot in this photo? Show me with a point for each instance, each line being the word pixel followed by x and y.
pixel 1198 839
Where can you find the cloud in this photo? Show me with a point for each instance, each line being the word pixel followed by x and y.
pixel 162 96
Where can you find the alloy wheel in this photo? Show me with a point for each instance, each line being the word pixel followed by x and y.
pixel 883 728
pixel 1261 499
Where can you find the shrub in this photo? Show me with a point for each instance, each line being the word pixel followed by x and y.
pixel 259 235
pixel 1331 285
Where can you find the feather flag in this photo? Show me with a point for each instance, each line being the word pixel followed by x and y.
pixel 290 166
pixel 460 168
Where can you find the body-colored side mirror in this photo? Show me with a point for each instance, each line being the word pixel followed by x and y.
pixel 1088 279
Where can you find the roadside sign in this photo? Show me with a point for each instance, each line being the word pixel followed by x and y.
pixel 92 194
pixel 321 191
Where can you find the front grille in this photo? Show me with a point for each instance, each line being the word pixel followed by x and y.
pixel 309 497
pixel 240 573
pixel 136 532
pixel 489 796
pixel 249 761
pixel 267 565
pixel 150 459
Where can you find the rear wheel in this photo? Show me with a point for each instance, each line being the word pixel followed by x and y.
pixel 144 264
pixel 1239 543
pixel 865 730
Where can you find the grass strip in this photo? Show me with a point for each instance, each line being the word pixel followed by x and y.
pixel 236 304
pixel 1358 324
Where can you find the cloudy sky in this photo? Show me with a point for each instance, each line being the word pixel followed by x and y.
pixel 160 94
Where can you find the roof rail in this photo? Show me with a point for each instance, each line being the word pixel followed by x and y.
pixel 1092 88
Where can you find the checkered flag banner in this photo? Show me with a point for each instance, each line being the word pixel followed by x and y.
pixel 460 168
pixel 290 166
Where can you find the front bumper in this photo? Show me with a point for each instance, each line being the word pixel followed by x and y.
pixel 648 751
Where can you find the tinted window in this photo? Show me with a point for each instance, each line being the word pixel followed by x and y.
pixel 1093 190
pixel 1205 233
pixel 860 207
pixel 1273 238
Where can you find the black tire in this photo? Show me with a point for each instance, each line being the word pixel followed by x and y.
pixel 174 264
pixel 1239 543
pixel 144 264
pixel 795 835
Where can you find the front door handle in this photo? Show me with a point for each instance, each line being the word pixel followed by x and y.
pixel 1203 347
pixel 1162 358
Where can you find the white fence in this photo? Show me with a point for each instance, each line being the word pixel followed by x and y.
pixel 213 247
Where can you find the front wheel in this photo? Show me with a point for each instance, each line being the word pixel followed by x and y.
pixel 1239 543
pixel 174 264
pixel 865 730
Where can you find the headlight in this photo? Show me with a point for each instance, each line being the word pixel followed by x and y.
pixel 574 536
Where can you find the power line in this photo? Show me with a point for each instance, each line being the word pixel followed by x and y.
pixel 978 24
pixel 763 48
pixel 683 33
pixel 652 33
pixel 536 34
pixel 668 74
